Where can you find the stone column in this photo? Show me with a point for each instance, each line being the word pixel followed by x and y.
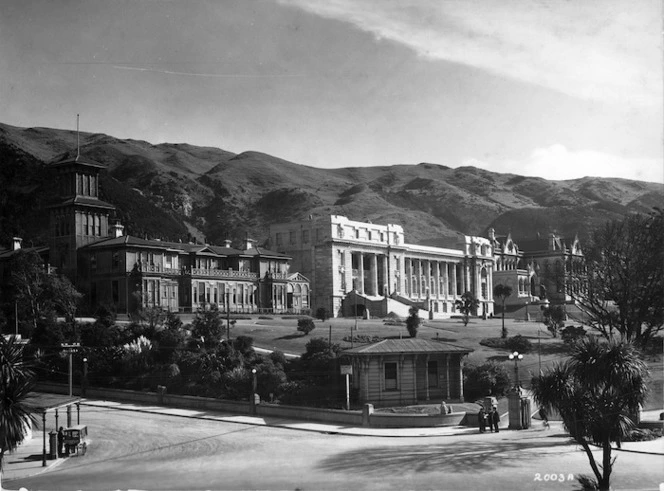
pixel 402 274
pixel 427 276
pixel 348 268
pixel 360 272
pixel 454 280
pixel 374 274
pixel 436 279
pixel 446 281
pixel 387 275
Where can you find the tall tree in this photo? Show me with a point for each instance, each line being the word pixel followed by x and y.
pixel 40 293
pixel 595 391
pixel 467 305
pixel 208 325
pixel 16 382
pixel 621 289
pixel 501 292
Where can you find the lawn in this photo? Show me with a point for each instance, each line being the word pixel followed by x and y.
pixel 280 333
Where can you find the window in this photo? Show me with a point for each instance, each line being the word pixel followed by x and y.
pixel 291 237
pixel 116 291
pixel 201 292
pixel 305 236
pixel 432 370
pixel 116 261
pixel 93 262
pixel 279 239
pixel 391 376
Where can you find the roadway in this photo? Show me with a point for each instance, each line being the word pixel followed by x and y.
pixel 147 450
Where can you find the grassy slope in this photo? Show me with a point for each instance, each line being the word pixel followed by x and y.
pixel 280 333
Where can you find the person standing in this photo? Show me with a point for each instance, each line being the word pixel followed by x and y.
pixel 61 441
pixel 495 419
pixel 481 420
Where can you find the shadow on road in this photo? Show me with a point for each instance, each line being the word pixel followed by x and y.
pixel 463 457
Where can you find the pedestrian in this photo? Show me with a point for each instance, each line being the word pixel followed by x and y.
pixel 481 419
pixel 443 408
pixel 495 419
pixel 61 441
pixel 544 417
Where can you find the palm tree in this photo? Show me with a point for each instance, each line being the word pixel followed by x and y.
pixel 467 304
pixel 595 391
pixel 502 292
pixel 15 384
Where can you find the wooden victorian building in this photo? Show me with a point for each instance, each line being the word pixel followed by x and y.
pixel 397 372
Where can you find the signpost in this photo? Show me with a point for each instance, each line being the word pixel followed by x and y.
pixel 347 370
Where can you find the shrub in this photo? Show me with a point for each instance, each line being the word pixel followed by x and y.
pixel 322 314
pixel 305 326
pixel 413 321
pixel 514 343
pixel 518 343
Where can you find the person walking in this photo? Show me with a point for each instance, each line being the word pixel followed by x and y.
pixel 495 419
pixel 481 420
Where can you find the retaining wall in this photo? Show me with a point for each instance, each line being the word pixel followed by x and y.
pixel 334 416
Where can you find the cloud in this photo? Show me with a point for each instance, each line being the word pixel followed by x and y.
pixel 558 163
pixel 608 51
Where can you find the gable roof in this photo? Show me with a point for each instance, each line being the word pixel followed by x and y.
pixel 263 252
pixel 408 345
pixel 129 240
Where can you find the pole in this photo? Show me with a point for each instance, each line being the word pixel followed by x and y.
pixel 348 392
pixel 228 316
pixel 71 377
pixel 539 349
pixel 44 439
pixel 16 317
pixel 329 338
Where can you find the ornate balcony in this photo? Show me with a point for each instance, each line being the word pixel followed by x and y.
pixel 221 273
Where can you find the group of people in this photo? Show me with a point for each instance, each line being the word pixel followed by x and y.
pixel 490 419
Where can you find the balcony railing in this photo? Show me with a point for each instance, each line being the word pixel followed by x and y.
pixel 220 273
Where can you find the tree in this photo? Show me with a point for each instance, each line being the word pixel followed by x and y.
pixel 620 290
pixel 594 391
pixel 305 326
pixel 413 321
pixel 467 305
pixel 322 314
pixel 554 319
pixel 40 293
pixel 208 325
pixel 502 292
pixel 16 382
pixel 490 378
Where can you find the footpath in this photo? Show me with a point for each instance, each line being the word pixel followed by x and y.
pixel 26 461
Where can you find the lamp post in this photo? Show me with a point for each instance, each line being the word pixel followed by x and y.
pixel 84 384
pixel 254 384
pixel 516 356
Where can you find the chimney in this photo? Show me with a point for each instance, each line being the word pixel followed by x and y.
pixel 250 244
pixel 16 243
pixel 492 234
pixel 227 243
pixel 117 230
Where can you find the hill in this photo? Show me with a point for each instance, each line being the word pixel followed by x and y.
pixel 175 191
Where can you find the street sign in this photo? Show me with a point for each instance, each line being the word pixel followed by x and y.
pixel 346 369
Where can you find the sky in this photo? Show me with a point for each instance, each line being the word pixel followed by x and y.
pixel 558 89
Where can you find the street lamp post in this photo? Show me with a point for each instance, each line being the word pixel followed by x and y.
pixel 84 384
pixel 254 384
pixel 516 356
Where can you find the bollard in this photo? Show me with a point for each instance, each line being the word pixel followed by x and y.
pixel 367 411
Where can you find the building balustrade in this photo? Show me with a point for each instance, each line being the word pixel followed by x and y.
pixel 220 273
